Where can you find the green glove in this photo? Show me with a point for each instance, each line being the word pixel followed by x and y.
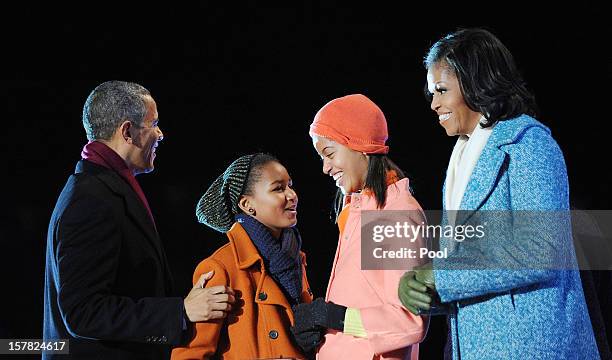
pixel 413 286
pixel 425 275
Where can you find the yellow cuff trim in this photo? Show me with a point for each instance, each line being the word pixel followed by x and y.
pixel 352 323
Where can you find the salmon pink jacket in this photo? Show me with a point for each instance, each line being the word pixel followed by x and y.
pixel 392 331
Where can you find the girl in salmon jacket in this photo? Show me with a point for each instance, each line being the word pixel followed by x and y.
pixel 361 316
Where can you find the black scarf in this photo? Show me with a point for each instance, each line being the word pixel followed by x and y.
pixel 281 256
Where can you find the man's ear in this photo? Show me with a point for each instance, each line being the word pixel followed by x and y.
pixel 126 131
pixel 246 205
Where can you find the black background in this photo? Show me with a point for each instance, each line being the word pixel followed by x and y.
pixel 240 78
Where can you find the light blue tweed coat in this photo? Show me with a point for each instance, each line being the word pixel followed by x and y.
pixel 505 313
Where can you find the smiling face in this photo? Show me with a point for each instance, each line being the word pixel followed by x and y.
pixel 273 201
pixel 347 167
pixel 453 113
pixel 145 139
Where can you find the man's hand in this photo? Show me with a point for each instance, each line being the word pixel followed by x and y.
pixel 203 304
pixel 413 286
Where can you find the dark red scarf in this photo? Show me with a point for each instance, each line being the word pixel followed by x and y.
pixel 100 154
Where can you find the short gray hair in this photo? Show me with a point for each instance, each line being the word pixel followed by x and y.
pixel 110 104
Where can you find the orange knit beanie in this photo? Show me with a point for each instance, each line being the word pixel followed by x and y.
pixel 353 121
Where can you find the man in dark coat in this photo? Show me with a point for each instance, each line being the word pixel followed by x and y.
pixel 107 279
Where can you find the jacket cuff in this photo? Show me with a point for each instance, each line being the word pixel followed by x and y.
pixel 353 324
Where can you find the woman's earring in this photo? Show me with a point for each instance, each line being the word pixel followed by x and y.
pixel 251 211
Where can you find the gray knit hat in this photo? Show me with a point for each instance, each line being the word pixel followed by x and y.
pixel 219 204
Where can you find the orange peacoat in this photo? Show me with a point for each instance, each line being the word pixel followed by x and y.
pixel 258 328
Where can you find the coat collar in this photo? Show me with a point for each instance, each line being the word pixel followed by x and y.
pixel 366 200
pixel 245 251
pixel 493 156
pixel 119 186
pixel 246 255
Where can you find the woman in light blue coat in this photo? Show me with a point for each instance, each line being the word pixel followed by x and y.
pixel 514 292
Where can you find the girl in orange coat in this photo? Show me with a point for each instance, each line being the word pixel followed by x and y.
pixel 254 204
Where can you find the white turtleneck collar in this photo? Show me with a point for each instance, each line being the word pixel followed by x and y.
pixel 463 160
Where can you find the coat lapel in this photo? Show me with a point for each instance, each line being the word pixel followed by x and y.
pixel 490 164
pixel 482 181
pixel 135 209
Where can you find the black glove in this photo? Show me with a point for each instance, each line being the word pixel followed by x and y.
pixel 319 314
pixel 308 340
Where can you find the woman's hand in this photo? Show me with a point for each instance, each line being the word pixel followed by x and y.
pixel 413 287
pixel 308 340
pixel 319 314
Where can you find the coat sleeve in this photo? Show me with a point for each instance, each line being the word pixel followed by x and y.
pixel 204 343
pixel 390 326
pixel 87 250
pixel 540 239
